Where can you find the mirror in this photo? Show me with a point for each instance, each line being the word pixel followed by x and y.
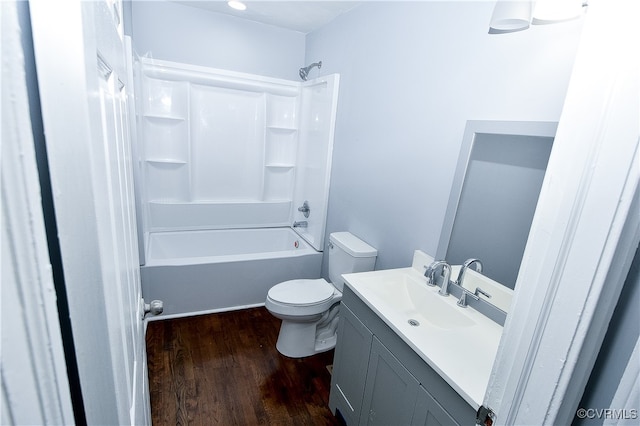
pixel 494 195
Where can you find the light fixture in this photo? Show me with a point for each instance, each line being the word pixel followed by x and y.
pixel 552 11
pixel 517 15
pixel 510 16
pixel 237 5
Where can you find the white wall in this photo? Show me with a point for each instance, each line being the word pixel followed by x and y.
pixel 175 32
pixel 412 73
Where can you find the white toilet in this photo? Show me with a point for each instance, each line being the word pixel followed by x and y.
pixel 309 308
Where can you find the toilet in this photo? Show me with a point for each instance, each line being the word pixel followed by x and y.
pixel 309 308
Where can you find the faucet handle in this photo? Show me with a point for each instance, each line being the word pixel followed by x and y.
pixel 482 292
pixel 304 209
pixel 462 302
pixel 429 271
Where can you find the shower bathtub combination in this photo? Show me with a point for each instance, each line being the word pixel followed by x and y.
pixel 228 164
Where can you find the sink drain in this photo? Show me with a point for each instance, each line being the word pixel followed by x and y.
pixel 413 322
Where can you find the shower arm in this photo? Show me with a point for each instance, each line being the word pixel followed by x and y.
pixel 304 71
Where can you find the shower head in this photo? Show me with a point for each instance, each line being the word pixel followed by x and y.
pixel 304 72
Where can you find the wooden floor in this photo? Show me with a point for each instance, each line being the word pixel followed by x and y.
pixel 224 369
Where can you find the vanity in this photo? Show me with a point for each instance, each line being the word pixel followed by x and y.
pixel 406 355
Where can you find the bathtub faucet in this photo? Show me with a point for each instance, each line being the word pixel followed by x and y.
pixel 301 224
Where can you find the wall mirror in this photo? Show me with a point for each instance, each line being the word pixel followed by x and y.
pixel 494 195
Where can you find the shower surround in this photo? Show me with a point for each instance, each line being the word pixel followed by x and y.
pixel 226 150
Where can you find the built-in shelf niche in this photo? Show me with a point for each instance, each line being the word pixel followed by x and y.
pixel 166 99
pixel 282 111
pixel 281 147
pixel 165 132
pixel 166 139
pixel 278 183
pixel 167 181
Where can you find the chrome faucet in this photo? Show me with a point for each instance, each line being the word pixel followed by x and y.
pixel 463 269
pixel 446 274
pixel 300 224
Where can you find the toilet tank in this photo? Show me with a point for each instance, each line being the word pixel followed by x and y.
pixel 347 254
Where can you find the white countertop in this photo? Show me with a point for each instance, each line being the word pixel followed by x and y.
pixel 460 344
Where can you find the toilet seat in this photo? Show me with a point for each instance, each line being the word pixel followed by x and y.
pixel 302 292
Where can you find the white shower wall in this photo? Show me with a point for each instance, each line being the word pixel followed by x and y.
pixel 221 149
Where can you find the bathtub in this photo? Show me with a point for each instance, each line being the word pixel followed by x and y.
pixel 205 271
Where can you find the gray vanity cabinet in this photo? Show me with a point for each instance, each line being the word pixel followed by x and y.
pixel 429 413
pixel 390 391
pixel 379 380
pixel 350 362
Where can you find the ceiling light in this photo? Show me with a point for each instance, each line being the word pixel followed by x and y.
pixel 237 5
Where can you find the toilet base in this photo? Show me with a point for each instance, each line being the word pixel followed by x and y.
pixel 301 339
pixel 297 340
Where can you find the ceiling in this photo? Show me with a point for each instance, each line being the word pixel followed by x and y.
pixel 300 15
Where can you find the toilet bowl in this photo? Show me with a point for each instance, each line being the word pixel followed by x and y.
pixel 309 308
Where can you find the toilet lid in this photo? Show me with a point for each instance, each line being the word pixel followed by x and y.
pixel 301 292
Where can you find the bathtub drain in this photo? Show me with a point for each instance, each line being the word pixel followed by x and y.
pixel 413 322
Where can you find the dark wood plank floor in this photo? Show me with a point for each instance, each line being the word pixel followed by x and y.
pixel 224 369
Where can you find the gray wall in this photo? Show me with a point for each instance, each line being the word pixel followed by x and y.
pixel 179 33
pixel 412 74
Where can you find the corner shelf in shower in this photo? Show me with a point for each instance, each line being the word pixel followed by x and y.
pixel 166 118
pixel 283 129
pixel 167 179
pixel 166 161
pixel 280 165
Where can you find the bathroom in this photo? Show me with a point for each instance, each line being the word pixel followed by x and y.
pixel 411 75
pixel 391 72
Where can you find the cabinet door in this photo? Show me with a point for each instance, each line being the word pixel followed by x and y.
pixel 350 363
pixel 390 391
pixel 429 413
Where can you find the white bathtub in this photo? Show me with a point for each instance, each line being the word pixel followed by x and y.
pixel 196 272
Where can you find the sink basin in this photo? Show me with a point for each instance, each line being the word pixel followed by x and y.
pixel 404 294
pixel 460 344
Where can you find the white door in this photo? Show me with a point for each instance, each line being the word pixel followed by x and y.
pixel 80 59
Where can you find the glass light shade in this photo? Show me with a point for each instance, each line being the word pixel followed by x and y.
pixel 552 11
pixel 237 5
pixel 510 16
